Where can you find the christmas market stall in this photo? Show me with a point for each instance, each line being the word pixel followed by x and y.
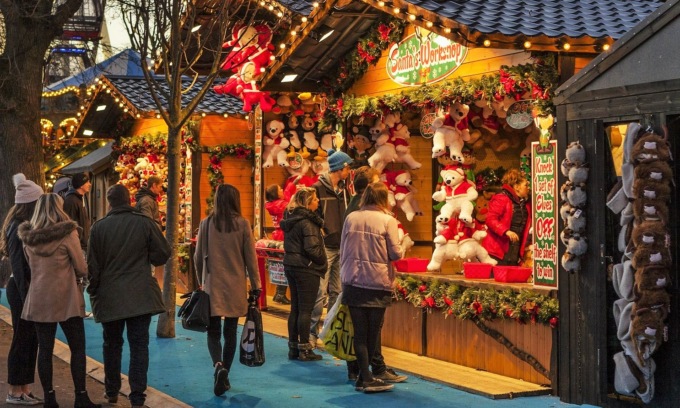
pixel 216 143
pixel 444 99
pixel 619 342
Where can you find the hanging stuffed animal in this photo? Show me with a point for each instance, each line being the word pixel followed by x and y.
pixel 400 185
pixel 451 131
pixel 243 45
pixel 385 151
pixel 275 144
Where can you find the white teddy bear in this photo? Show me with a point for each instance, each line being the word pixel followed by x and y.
pixel 457 192
pixel 275 144
pixel 385 151
pixel 400 185
pixel 451 131
pixel 399 139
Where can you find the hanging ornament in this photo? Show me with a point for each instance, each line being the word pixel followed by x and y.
pixel 426 129
pixel 250 119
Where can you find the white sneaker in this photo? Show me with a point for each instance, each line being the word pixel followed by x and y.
pixel 22 399
pixel 88 315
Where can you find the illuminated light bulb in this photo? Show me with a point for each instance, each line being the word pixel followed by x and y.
pixel 271 7
pixel 315 4
pixel 304 19
pixel 272 58
pixel 125 110
pixel 226 115
pixel 262 3
pixel 527 44
pixel 138 116
pixel 158 116
pixel 447 30
pixel 381 3
pixel 203 114
pixel 412 17
pixel 606 47
pixel 429 24
pixel 279 14
pixel 396 10
pixel 566 46
pixel 293 33
pixel 282 46
pixel 487 43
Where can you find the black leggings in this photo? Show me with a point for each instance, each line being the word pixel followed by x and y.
pixel 367 322
pixel 24 348
pixel 74 329
pixel 217 353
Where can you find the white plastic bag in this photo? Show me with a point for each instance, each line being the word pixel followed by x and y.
pixel 329 317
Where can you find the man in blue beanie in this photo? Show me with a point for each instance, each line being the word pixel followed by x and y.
pixel 333 200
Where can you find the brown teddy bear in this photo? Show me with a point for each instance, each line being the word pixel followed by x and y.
pixel 645 188
pixel 654 210
pixel 656 171
pixel 658 301
pixel 647 332
pixel 651 278
pixel 649 148
pixel 644 257
pixel 649 234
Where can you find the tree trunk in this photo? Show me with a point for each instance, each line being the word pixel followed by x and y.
pixel 20 140
pixel 166 321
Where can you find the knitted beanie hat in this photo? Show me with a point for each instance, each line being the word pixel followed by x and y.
pixel 79 180
pixel 26 190
pixel 338 160
pixel 118 195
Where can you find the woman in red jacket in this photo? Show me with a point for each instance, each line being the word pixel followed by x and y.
pixel 509 220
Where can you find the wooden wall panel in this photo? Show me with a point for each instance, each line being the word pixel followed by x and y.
pixel 461 342
pixel 402 329
pixel 148 126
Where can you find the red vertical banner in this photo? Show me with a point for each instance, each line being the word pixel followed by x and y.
pixel 544 210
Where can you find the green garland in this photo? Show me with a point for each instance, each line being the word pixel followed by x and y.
pixel 183 261
pixel 216 154
pixel 478 303
pixel 379 36
pixel 536 80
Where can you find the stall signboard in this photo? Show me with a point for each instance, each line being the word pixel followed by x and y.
pixel 544 212
pixel 276 274
pixel 424 58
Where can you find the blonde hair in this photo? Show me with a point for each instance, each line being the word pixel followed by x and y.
pixel 49 210
pixel 302 198
pixel 376 194
pixel 513 177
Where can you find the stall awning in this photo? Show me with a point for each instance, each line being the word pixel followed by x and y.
pixel 93 162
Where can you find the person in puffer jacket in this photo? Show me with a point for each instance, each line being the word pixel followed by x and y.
pixel 369 244
pixel 304 263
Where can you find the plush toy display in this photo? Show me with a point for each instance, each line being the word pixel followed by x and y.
pixel 451 131
pixel 385 152
pixel 309 132
pixel 243 44
pixel 400 186
pixel 400 136
pixel 275 144
pixel 298 168
pixel 457 192
pixel 359 143
pixel 468 239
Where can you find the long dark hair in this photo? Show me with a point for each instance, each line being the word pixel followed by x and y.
pixel 227 207
pixel 18 213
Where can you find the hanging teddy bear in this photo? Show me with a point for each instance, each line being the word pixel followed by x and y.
pixel 275 144
pixel 457 192
pixel 451 131
pixel 399 138
pixel 359 143
pixel 401 187
pixel 385 152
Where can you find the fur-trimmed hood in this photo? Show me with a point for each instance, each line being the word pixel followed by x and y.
pixel 45 241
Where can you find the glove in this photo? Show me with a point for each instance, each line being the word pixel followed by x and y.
pixel 255 293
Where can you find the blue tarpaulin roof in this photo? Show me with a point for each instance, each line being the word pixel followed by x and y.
pixel 125 63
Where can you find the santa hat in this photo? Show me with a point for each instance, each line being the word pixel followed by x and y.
pixel 455 167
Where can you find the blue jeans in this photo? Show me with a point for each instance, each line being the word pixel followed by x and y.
pixel 329 289
pixel 304 288
pixel 138 338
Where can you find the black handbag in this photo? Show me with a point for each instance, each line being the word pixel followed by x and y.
pixel 195 311
pixel 252 338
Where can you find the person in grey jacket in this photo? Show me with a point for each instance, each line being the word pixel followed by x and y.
pixel 122 245
pixel 369 244
pixel 304 264
pixel 226 239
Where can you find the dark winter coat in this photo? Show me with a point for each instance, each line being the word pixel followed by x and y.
pixel 332 206
pixel 57 263
pixel 303 242
pixel 17 260
pixel 499 220
pixel 231 258
pixel 147 204
pixel 122 245
pixel 76 209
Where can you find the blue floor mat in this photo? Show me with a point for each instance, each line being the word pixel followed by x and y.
pixel 181 367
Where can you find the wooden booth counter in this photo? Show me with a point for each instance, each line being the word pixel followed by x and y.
pixel 431 333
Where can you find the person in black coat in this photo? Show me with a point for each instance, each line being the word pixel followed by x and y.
pixel 23 350
pixel 304 264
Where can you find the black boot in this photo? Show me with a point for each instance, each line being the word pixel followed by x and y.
pixel 50 400
pixel 83 401
pixel 280 296
pixel 307 353
pixel 293 351
pixel 221 384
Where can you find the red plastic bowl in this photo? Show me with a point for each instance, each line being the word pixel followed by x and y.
pixel 476 270
pixel 511 274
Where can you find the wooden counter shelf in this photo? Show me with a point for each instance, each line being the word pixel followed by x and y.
pixel 478 283
pixel 432 334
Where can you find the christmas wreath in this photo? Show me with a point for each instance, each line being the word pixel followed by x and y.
pixel 478 303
